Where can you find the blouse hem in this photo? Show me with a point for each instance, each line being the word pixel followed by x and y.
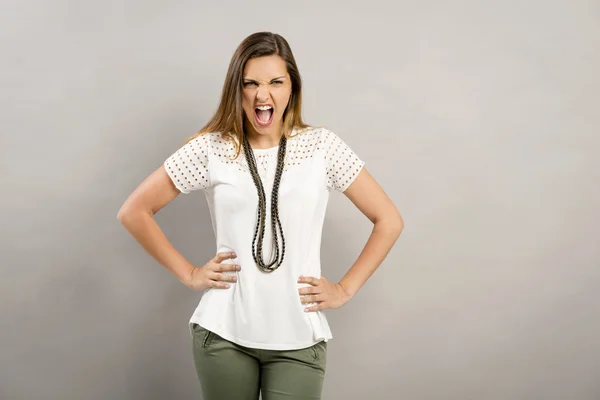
pixel 262 346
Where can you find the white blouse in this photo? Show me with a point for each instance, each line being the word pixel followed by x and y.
pixel 263 310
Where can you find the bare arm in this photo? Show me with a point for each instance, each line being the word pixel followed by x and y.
pixel 137 216
pixel 373 202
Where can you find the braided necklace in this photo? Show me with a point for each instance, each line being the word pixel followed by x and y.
pixel 257 248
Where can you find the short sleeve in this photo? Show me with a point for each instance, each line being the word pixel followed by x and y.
pixel 343 165
pixel 188 166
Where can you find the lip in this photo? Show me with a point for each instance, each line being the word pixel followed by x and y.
pixel 266 104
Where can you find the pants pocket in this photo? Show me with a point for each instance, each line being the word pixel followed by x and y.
pixel 320 350
pixel 202 336
pixel 317 353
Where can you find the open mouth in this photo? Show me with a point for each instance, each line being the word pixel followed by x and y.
pixel 264 115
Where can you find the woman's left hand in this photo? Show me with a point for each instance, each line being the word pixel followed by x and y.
pixel 323 292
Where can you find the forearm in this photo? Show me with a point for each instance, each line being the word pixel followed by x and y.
pixel 382 239
pixel 143 227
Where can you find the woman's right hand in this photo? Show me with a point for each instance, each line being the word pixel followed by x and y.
pixel 210 275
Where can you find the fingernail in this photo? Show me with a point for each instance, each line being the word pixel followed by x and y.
pixel 226 286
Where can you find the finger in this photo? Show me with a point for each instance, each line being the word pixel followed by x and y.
pixel 220 257
pixel 311 280
pixel 311 299
pixel 219 285
pixel 319 307
pixel 226 267
pixel 310 290
pixel 224 277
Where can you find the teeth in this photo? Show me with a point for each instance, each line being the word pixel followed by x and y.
pixel 264 107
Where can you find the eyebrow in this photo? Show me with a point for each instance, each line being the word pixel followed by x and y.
pixel 253 80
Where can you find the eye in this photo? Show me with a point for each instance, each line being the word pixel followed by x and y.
pixel 249 84
pixel 277 82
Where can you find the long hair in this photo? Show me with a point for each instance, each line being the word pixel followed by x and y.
pixel 229 117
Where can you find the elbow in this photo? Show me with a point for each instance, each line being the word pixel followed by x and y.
pixel 121 216
pixel 396 222
pixel 123 213
pixel 392 222
pixel 399 225
pixel 129 213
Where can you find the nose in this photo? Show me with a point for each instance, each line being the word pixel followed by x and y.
pixel 262 94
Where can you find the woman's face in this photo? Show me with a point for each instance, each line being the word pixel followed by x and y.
pixel 266 92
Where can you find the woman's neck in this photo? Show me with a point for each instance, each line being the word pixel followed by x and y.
pixel 263 141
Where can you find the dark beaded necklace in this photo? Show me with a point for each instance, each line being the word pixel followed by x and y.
pixel 257 248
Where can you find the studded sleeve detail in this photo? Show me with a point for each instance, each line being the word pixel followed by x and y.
pixel 343 164
pixel 188 166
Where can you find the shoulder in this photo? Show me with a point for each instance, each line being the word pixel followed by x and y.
pixel 205 139
pixel 318 139
pixel 310 137
pixel 213 143
pixel 326 139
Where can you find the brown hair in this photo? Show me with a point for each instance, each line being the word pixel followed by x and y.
pixel 229 117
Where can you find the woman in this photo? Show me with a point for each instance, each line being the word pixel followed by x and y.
pixel 260 326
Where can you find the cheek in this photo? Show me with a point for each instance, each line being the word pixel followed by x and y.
pixel 246 99
pixel 282 100
pixel 247 103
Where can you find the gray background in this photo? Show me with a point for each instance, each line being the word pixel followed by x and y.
pixel 479 119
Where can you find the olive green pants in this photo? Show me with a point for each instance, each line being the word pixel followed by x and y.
pixel 228 371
